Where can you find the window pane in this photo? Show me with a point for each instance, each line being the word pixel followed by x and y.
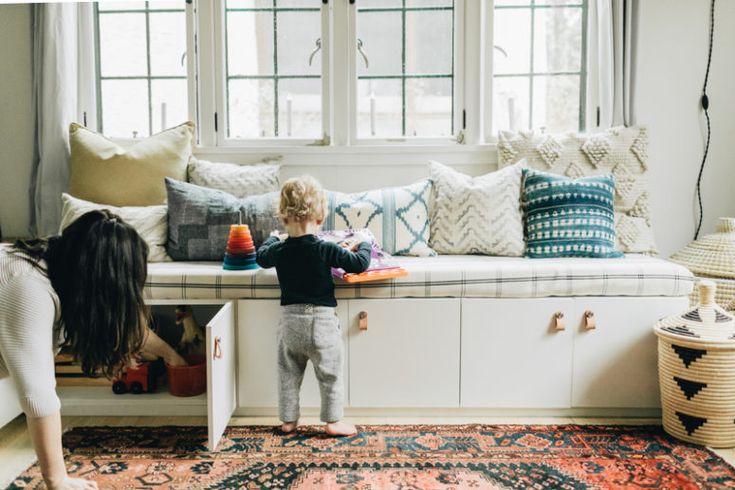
pixel 297 35
pixel 121 5
pixel 513 39
pixel 169 103
pixel 273 91
pixel 380 33
pixel 300 108
pixel 556 102
pixel 251 108
pixel 558 40
pixel 429 42
pixel 503 3
pixel 510 103
pixel 428 3
pixel 379 112
pixel 122 45
pixel 407 88
pixel 380 3
pixel 249 4
pixel 249 43
pixel 299 3
pixel 559 2
pixel 429 107
pixel 168 44
pixel 124 108
pixel 167 5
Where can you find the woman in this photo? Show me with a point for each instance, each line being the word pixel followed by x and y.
pixel 82 290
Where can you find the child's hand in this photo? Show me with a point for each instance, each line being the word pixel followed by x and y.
pixel 279 235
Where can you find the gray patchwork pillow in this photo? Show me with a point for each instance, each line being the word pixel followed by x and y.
pixel 238 180
pixel 199 219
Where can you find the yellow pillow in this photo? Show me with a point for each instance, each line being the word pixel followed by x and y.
pixel 105 173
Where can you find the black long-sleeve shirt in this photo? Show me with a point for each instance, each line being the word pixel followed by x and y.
pixel 304 263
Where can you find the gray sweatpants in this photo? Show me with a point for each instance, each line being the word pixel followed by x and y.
pixel 309 333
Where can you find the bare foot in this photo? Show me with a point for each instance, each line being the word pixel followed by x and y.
pixel 288 427
pixel 340 428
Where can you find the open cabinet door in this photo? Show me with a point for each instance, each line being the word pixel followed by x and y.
pixel 221 369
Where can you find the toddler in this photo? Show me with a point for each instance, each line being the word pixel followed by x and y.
pixel 309 328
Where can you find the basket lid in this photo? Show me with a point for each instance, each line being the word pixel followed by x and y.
pixel 707 323
pixel 712 255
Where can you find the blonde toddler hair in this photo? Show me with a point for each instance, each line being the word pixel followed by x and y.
pixel 302 199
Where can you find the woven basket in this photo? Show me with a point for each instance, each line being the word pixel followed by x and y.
pixel 697 372
pixel 724 297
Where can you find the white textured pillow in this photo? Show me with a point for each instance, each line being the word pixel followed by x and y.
pixel 477 215
pixel 239 180
pixel 149 221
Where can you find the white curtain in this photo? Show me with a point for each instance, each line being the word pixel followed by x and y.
pixel 613 26
pixel 63 92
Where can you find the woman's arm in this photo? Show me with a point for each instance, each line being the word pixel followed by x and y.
pixel 154 345
pixel 27 316
pixel 46 436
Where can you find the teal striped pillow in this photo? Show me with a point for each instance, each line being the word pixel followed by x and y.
pixel 568 218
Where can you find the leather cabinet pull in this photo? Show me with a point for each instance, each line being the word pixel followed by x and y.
pixel 362 320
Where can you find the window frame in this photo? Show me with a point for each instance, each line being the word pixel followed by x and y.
pixel 473 88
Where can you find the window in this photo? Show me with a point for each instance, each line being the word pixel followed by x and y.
pixel 310 72
pixel 273 68
pixel 405 68
pixel 141 69
pixel 539 70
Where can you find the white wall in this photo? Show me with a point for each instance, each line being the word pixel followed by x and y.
pixel 16 124
pixel 671 63
pixel 671 60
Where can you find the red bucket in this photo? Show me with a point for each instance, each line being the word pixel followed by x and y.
pixel 188 380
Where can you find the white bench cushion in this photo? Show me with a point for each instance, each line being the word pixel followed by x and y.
pixel 466 276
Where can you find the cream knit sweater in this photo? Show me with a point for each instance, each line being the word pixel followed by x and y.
pixel 29 310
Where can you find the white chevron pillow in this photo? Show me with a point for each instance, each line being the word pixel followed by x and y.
pixel 477 215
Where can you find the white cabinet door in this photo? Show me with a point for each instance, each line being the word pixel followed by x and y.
pixel 512 356
pixel 221 372
pixel 409 354
pixel 257 356
pixel 615 365
pixel 10 406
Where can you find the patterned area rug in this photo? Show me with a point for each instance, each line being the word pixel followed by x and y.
pixel 405 457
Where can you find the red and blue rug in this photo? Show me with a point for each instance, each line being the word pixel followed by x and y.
pixel 401 457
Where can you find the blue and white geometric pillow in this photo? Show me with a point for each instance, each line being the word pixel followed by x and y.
pixel 566 217
pixel 397 216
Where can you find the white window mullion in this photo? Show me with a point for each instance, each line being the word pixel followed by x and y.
pixel 342 71
pixel 210 79
pixel 191 64
pixel 327 67
pixel 486 88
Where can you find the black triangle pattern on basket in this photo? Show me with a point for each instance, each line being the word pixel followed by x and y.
pixel 720 318
pixel 693 316
pixel 689 388
pixel 681 330
pixel 687 355
pixel 690 422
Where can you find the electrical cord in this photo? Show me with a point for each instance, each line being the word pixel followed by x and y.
pixel 705 107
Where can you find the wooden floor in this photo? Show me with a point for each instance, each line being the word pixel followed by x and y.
pixel 16 452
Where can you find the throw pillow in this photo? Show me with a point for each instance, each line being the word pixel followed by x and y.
pixel 238 180
pixel 148 221
pixel 620 151
pixel 105 173
pixel 569 217
pixel 199 219
pixel 476 215
pixel 397 216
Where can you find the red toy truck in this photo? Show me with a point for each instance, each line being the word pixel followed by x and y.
pixel 137 380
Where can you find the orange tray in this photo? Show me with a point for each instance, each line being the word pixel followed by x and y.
pixel 376 275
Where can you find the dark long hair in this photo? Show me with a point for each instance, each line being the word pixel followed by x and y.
pixel 97 266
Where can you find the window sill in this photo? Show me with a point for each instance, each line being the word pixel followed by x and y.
pixel 371 155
